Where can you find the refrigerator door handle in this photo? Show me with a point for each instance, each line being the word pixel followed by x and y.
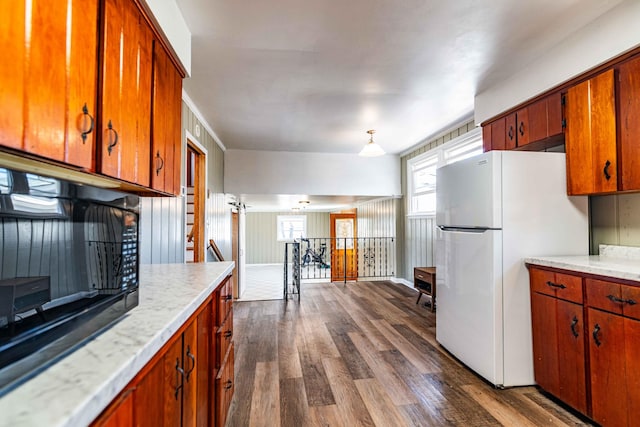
pixel 466 229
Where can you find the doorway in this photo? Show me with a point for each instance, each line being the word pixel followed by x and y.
pixel 194 218
pixel 344 247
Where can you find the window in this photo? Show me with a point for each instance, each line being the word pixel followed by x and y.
pixel 291 227
pixel 421 170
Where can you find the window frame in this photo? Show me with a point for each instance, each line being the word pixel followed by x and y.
pixel 442 155
pixel 279 227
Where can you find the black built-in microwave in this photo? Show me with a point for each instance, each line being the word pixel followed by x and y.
pixel 68 268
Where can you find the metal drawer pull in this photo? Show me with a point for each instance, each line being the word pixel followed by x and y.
pixel 596 331
pixel 574 323
pixel 606 170
pixel 228 334
pixel 621 301
pixel 556 285
pixel 228 385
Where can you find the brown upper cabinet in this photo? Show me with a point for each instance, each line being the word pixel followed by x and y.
pixel 90 84
pixel 125 124
pixel 590 136
pixel 540 121
pixel 48 94
pixel 166 127
pixel 629 124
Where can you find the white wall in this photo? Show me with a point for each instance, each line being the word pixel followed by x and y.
pixel 175 28
pixel 282 172
pixel 608 36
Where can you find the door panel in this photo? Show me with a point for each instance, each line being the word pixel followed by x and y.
pixel 344 247
pixel 469 284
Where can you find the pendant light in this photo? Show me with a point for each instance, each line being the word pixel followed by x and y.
pixel 371 149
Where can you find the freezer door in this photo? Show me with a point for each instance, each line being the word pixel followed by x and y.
pixel 469 192
pixel 469 304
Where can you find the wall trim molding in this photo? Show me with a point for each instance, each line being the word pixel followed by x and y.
pixel 196 111
pixel 402 281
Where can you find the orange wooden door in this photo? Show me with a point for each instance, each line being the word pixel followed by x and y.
pixel 344 247
pixel 166 128
pixel 590 136
pixel 127 48
pixel 629 96
pixel 49 91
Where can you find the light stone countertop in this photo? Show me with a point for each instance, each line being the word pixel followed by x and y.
pixel 619 262
pixel 76 389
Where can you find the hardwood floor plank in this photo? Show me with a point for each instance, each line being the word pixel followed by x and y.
pixel 265 402
pixel 412 354
pixel 294 410
pixel 505 414
pixel 379 404
pixel 325 416
pixel 383 371
pixel 356 365
pixel 362 319
pixel 288 357
pixel 352 409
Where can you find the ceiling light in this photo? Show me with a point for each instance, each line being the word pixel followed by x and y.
pixel 371 149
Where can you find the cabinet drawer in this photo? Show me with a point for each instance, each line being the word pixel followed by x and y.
pixel 559 285
pixel 225 301
pixel 224 337
pixel 614 297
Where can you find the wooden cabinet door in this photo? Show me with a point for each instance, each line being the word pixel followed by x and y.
pixel 190 383
pixel 204 393
pixel 522 127
pixel 607 368
pixel 173 383
pixel 119 413
pixel 150 395
pixel 127 48
pixel 166 123
pixel 49 91
pixel 571 355
pixel 545 342
pixel 511 132
pixel 590 136
pixel 13 48
pixel 629 122
pixel 632 356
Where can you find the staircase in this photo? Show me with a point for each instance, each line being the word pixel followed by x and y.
pixel 189 218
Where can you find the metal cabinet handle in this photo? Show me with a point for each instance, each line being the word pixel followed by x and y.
pixel 159 163
pixel 606 170
pixel 228 384
pixel 228 297
pixel 574 323
pixel 596 332
pixel 193 363
pixel 521 129
pixel 555 285
pixel 621 301
pixel 115 141
pixel 510 132
pixel 227 334
pixel 85 133
pixel 179 372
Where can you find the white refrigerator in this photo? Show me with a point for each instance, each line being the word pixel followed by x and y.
pixel 492 211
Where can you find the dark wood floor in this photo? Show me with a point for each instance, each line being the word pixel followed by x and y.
pixel 363 354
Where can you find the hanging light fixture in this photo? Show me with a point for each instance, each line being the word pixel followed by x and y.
pixel 371 149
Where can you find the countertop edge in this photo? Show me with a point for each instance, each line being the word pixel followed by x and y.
pixel 617 268
pixel 114 357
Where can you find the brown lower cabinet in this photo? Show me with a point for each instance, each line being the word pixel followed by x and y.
pixel 181 385
pixel 586 343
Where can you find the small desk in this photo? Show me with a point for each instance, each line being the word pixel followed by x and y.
pixel 424 280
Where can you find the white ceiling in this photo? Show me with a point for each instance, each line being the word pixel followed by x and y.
pixel 315 75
